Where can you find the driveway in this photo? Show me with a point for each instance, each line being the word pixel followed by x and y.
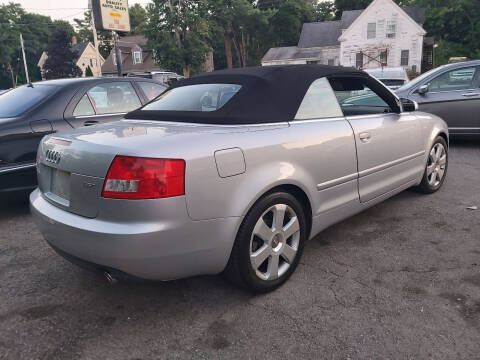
pixel 399 281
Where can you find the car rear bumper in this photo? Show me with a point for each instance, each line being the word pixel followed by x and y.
pixel 165 249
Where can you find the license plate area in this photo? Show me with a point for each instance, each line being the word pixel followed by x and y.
pixel 59 186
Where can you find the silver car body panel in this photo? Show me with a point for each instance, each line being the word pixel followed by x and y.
pixel 343 165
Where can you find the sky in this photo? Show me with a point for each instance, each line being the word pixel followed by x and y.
pixel 60 9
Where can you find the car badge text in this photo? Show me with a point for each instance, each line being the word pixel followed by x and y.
pixel 52 156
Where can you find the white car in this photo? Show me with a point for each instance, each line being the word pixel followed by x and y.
pixel 392 77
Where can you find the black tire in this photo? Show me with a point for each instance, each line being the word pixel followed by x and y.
pixel 240 270
pixel 426 186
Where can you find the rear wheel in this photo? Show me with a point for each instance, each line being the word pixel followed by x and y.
pixel 269 243
pixel 436 168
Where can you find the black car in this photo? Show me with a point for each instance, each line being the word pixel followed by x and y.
pixel 30 112
pixel 452 92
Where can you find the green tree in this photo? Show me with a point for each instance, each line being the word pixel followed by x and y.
pixel 324 10
pixel 84 33
pixel 177 31
pixel 64 25
pixel 88 71
pixel 242 27
pixel 61 59
pixel 36 33
pixel 138 19
pixel 9 38
pixel 342 5
pixel 286 25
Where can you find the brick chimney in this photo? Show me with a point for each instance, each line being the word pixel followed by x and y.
pixel 74 40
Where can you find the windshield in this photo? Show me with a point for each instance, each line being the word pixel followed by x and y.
pixel 418 80
pixel 390 82
pixel 201 97
pixel 15 102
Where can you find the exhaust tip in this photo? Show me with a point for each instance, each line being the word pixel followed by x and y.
pixel 111 280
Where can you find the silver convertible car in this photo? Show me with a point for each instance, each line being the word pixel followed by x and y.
pixel 232 172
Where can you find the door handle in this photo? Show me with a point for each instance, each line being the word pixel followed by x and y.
pixel 471 94
pixel 90 122
pixel 365 137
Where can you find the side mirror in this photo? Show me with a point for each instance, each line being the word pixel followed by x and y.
pixel 422 90
pixel 409 105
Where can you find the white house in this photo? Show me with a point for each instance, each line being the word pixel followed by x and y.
pixel 86 56
pixel 384 34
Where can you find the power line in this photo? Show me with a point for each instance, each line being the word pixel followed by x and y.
pixel 55 9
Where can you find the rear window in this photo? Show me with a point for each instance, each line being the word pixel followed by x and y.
pixel 17 101
pixel 200 97
pixel 390 82
pixel 151 90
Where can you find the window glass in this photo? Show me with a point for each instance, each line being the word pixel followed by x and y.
pixel 458 79
pixel 372 31
pixel 356 98
pixel 137 57
pixel 17 101
pixel 319 102
pixel 392 82
pixel 404 58
pixel 114 97
pixel 391 29
pixel 84 107
pixel 201 97
pixel 383 57
pixel 151 90
pixel 419 79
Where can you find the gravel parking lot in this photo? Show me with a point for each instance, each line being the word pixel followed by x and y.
pixel 399 281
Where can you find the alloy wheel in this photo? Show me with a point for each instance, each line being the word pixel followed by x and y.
pixel 274 242
pixel 437 163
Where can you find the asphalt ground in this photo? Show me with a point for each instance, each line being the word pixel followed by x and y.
pixel 399 281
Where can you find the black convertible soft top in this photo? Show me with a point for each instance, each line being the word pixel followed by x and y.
pixel 268 94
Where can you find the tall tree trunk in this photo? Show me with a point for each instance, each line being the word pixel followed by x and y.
pixel 244 50
pixel 237 51
pixel 186 71
pixel 228 50
pixel 12 75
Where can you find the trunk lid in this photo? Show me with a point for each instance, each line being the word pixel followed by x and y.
pixel 72 165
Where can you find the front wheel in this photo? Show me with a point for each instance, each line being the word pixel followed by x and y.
pixel 269 243
pixel 436 168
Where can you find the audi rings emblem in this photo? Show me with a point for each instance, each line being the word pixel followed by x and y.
pixel 52 156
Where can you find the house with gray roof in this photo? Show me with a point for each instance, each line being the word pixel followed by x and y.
pixel 383 34
pixel 85 57
pixel 136 57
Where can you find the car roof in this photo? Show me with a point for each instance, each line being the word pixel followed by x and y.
pixel 267 95
pixel 270 72
pixel 83 80
pixel 461 64
pixel 392 73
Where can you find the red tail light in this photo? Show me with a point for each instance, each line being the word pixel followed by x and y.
pixel 144 178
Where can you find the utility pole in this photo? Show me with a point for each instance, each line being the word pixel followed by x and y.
pixel 24 59
pixel 95 39
pixel 118 54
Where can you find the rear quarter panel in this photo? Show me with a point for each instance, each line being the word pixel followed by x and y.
pixel 304 154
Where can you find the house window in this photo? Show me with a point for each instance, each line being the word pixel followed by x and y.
pixel 372 30
pixel 383 57
pixel 331 62
pixel 359 60
pixel 91 62
pixel 404 58
pixel 391 29
pixel 137 57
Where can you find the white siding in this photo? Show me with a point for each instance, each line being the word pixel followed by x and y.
pixel 408 37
